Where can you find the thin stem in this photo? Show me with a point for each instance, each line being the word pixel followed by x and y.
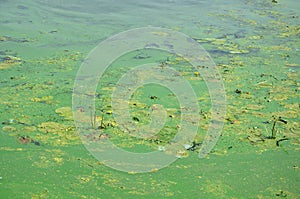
pixel 274 130
pixel 95 119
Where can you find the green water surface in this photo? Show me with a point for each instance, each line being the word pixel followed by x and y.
pixel 255 45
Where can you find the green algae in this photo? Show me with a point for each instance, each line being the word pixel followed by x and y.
pixel 257 54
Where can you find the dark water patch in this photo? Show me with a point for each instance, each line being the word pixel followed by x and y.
pixel 21 7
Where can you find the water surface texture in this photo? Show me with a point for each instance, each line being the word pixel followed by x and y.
pixel 255 46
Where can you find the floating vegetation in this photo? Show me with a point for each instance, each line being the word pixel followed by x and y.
pixel 224 45
pixel 57 134
pixel 29 128
pixel 54 127
pixel 8 129
pixel 275 121
pixel 26 140
pixel 255 45
pixel 65 112
pixel 95 136
pixel 182 154
pixel 9 61
pixel 4 38
pixel 44 99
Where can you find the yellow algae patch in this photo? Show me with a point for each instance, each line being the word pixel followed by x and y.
pixel 293 75
pixel 292 65
pixel 49 158
pixel 219 41
pixel 254 107
pixel 239 51
pixel 287 113
pixel 10 61
pixel 9 129
pixel 290 31
pixel 85 179
pixel 65 112
pixel 294 106
pixel 108 88
pixel 280 48
pixel 180 59
pixel 280 97
pixel 264 84
pixel 10 149
pixel 217 188
pixel 182 154
pixel 58 160
pixel 29 128
pixel 57 134
pixel 44 99
pixel 160 33
pixel 255 37
pixel 53 127
pixel 204 40
pixel 197 73
pixel 4 38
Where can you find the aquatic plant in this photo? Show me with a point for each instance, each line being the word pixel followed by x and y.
pixel 275 120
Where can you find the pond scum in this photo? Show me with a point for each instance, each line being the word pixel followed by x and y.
pixel 257 155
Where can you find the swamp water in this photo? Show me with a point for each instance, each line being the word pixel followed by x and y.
pixel 255 46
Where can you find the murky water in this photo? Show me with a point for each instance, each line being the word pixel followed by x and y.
pixel 255 46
